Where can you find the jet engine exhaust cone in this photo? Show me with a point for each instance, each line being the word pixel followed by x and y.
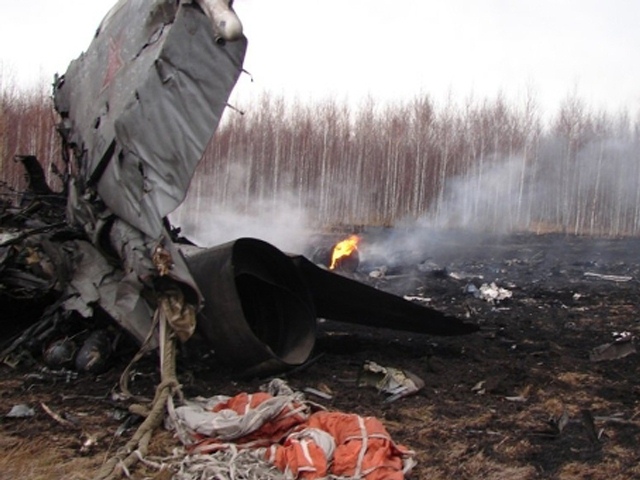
pixel 258 313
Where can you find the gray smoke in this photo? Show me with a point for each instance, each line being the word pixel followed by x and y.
pixel 594 190
pixel 209 219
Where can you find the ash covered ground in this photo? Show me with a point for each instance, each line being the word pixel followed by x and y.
pixel 522 398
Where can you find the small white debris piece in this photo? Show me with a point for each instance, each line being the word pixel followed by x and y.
pixel 318 393
pixel 492 293
pixel 89 442
pixel 518 398
pixel 611 278
pixel 21 411
pixel 479 387
pixel 378 272
pixel 471 289
pixel 8 237
pixel 396 383
pixel 622 336
pixel 416 298
pixel 463 275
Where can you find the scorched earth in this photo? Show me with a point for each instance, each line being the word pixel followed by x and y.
pixel 548 388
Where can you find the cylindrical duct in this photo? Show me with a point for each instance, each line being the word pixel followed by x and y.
pixel 258 313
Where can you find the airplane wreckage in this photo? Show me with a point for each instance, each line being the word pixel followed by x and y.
pixel 137 110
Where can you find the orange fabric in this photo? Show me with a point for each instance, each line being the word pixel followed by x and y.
pixel 381 459
pixel 303 458
pixel 271 431
pixel 240 402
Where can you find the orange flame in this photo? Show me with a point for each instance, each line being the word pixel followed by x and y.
pixel 343 249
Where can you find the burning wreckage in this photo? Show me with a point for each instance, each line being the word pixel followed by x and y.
pixel 137 110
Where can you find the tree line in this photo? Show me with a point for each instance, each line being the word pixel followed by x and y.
pixel 486 163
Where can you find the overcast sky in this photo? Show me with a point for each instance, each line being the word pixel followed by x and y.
pixel 390 50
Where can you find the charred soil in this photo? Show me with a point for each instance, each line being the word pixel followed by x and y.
pixel 522 398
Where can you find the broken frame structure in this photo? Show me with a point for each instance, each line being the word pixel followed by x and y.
pixel 137 110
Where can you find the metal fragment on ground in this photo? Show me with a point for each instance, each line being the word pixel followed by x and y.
pixel 21 411
pixel 611 278
pixel 395 382
pixel 318 393
pixel 616 350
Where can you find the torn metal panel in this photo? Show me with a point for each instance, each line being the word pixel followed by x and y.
pixel 138 109
pixel 141 104
pixel 140 256
pixel 622 347
pixel 91 272
pixel 96 282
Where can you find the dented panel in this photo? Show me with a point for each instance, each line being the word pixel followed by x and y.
pixel 141 104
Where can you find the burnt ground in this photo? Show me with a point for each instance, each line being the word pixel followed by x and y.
pixel 519 399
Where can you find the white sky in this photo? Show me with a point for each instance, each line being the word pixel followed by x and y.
pixel 391 50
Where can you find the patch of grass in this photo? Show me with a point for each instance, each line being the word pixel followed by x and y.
pixel 40 460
